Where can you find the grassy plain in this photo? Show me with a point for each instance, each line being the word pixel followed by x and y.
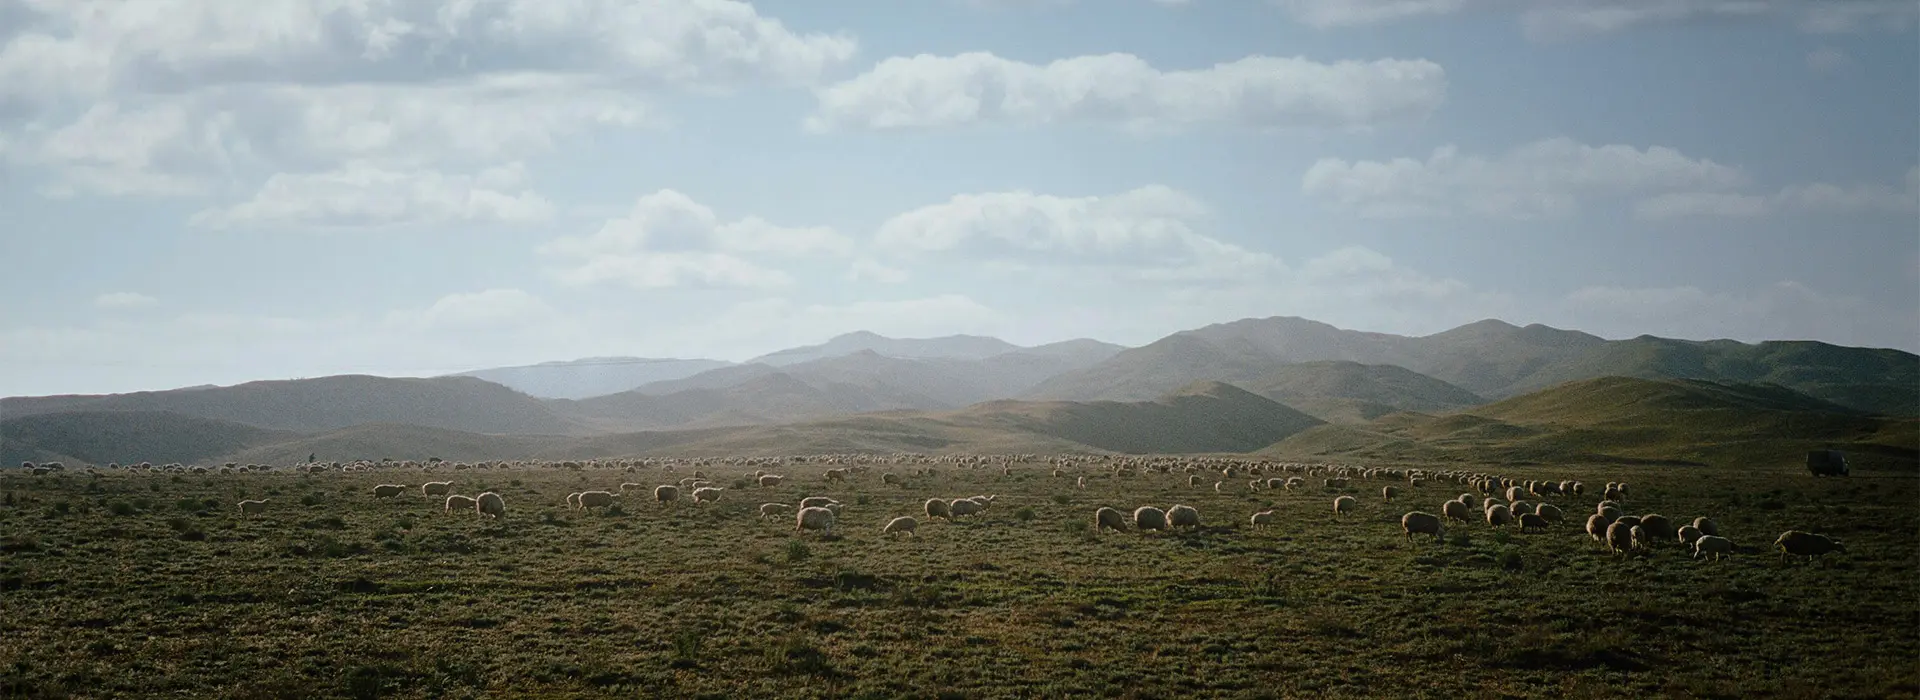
pixel 136 585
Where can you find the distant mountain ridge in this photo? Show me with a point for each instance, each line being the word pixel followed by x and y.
pixel 591 376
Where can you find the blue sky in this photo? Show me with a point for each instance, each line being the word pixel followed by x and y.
pixel 214 192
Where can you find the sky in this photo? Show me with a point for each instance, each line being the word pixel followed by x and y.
pixel 215 192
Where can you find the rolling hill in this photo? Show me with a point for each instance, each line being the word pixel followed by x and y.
pixel 1495 359
pixel 1628 420
pixel 126 437
pixel 1349 392
pixel 593 376
pixel 328 403
pixel 967 347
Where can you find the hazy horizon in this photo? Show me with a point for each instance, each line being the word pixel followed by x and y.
pixel 214 193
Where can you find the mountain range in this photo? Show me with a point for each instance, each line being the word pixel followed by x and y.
pixel 1282 383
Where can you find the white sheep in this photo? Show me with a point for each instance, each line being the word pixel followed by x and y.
pixel 1261 520
pixel 1107 518
pixel 769 481
pixel 630 486
pixel 1806 544
pixel 457 502
pixel 1642 539
pixel 1455 510
pixel 1532 522
pixel 598 499
pixel 1689 534
pixel 1183 516
pixel 1424 523
pixel 1548 511
pixel 705 494
pixel 388 490
pixel 904 523
pixel 813 518
pixel 1344 505
pixel 1709 544
pixel 253 507
pixel 1706 526
pixel 1497 516
pixel 1388 492
pixel 1597 526
pixel 1619 538
pixel 1149 518
pixel 964 506
pixel 1080 483
pixel 937 508
pixel 490 504
pixel 768 510
pixel 436 488
pixel 666 493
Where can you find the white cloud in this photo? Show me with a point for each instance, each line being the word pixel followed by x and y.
pixel 870 270
pixel 362 195
pixel 1145 234
pixel 1568 18
pixel 1257 91
pixel 1547 178
pixel 1828 60
pixel 1817 198
pixel 668 240
pixel 491 308
pixel 124 300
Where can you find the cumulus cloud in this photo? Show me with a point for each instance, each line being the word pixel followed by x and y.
pixel 927 91
pixel 1548 178
pixel 124 300
pixel 870 270
pixel 1145 234
pixel 1570 18
pixel 363 195
pixel 669 240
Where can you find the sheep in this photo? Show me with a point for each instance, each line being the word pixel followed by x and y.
pixel 490 504
pixel 1080 483
pixel 1709 544
pixel 1388 492
pixel 1642 539
pixel 891 478
pixel 703 494
pixel 1424 523
pixel 904 523
pixel 817 502
pixel 964 506
pixel 937 508
pixel 1611 513
pixel 813 519
pixel 573 501
pixel 1108 519
pixel 1149 518
pixel 1619 538
pixel 1658 526
pixel 253 507
pixel 436 488
pixel 458 502
pixel 1514 492
pixel 1519 507
pixel 1548 511
pixel 599 499
pixel 1688 534
pixel 1497 516
pixel 1193 480
pixel 1706 526
pixel 768 510
pixel 1532 522
pixel 388 490
pixel 666 493
pixel 1183 516
pixel 836 475
pixel 630 486
pixel 1806 544
pixel 1597 526
pixel 1630 520
pixel 1344 505
pixel 1261 520
pixel 1454 510
pixel 769 481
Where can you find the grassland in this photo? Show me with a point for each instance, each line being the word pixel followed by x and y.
pixel 138 585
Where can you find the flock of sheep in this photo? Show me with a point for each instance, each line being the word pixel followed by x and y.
pixel 1621 533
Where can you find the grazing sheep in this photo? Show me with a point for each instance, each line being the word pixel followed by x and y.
pixel 1619 538
pixel 388 490
pixel 769 481
pixel 490 504
pixel 1261 520
pixel 1080 483
pixel 1642 539
pixel 1514 493
pixel 904 523
pixel 1183 516
pixel 1658 526
pixel 836 475
pixel 1532 522
pixel 813 519
pixel 1519 507
pixel 1806 544
pixel 630 486
pixel 1688 534
pixel 1455 510
pixel 1706 526
pixel 1344 505
pixel 1388 492
pixel 1630 520
pixel 666 493
pixel 1193 480
pixel 436 488
pixel 253 507
pixel 1597 526
pixel 1108 519
pixel 817 502
pixel 1149 518
pixel 768 510
pixel 599 499
pixel 703 494
pixel 1709 544
pixel 1611 513
pixel 1424 523
pixel 459 503
pixel 891 478
pixel 1548 511
pixel 573 501
pixel 937 508
pixel 1497 516
pixel 964 506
